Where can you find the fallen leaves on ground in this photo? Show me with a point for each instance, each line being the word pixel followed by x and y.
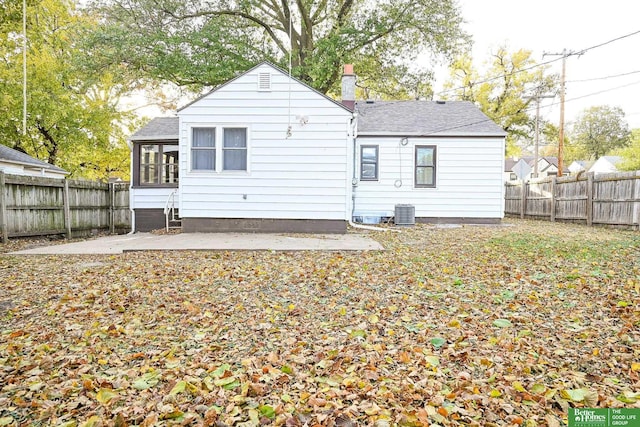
pixel 447 326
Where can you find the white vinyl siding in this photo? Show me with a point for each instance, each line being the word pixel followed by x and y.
pixel 469 178
pixel 304 176
pixel 150 198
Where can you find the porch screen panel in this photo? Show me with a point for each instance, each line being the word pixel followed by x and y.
pixel 170 164
pixel 149 156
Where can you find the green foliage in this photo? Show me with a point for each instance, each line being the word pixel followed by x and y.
pixel 599 130
pixel 505 92
pixel 73 120
pixel 202 44
pixel 631 153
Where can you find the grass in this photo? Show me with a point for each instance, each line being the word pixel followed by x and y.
pixel 457 326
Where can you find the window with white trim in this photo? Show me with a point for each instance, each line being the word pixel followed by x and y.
pixel 234 151
pixel 203 149
pixel 425 166
pixel 368 162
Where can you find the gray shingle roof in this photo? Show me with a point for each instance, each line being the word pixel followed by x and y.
pixel 160 128
pixel 419 118
pixel 424 118
pixel 14 156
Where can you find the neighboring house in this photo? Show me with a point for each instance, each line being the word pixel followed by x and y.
pixel 578 166
pixel 18 163
pixel 266 152
pixel 547 166
pixel 605 164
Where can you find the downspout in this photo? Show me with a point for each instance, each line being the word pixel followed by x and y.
pixel 131 201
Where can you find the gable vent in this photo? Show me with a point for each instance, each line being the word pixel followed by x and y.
pixel 264 81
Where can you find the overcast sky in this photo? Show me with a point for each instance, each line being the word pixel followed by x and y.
pixel 553 25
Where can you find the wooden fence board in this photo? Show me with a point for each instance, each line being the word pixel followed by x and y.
pixel 611 199
pixel 35 206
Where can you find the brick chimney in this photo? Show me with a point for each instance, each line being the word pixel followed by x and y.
pixel 349 87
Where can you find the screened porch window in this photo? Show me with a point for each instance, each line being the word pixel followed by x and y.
pixel 203 149
pixel 158 165
pixel 234 152
pixel 425 172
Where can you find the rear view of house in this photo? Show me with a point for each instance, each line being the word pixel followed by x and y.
pixel 442 158
pixel 267 153
pixel 264 152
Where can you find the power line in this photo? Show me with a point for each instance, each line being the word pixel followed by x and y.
pixel 488 119
pixel 607 42
pixel 604 77
pixel 580 52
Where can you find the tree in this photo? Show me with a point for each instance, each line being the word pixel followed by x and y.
pixel 631 153
pixel 505 92
pixel 599 130
pixel 73 120
pixel 202 43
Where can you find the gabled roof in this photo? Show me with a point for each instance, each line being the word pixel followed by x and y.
pixel 9 155
pixel 276 68
pixel 158 129
pixel 424 118
pixel 509 163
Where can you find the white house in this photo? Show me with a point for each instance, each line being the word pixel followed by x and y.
pixel 444 158
pixel 265 152
pixel 547 166
pixel 578 166
pixel 606 164
pixel 18 163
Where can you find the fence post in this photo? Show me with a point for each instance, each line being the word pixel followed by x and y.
pixel 523 200
pixel 554 182
pixel 3 209
pixel 112 202
pixel 67 208
pixel 589 199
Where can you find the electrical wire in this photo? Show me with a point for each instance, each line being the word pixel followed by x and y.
pixel 467 124
pixel 603 78
pixel 580 52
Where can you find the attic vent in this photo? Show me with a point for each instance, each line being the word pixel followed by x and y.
pixel 405 215
pixel 264 81
pixel 441 102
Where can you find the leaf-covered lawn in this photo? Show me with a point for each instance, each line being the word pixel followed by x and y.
pixel 449 326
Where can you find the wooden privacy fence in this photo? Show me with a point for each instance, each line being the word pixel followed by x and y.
pixel 604 199
pixel 38 206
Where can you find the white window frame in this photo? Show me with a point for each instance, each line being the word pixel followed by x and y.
pixel 191 148
pixel 245 149
pixel 219 148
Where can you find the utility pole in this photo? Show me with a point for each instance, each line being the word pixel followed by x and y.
pixel 538 97
pixel 24 67
pixel 564 55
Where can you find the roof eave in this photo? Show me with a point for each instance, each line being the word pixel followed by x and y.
pixel 275 67
pixel 432 135
pixel 154 138
pixel 50 168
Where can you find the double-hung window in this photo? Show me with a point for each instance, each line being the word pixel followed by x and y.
pixel 234 151
pixel 218 149
pixel 425 172
pixel 369 162
pixel 158 164
pixel 203 149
